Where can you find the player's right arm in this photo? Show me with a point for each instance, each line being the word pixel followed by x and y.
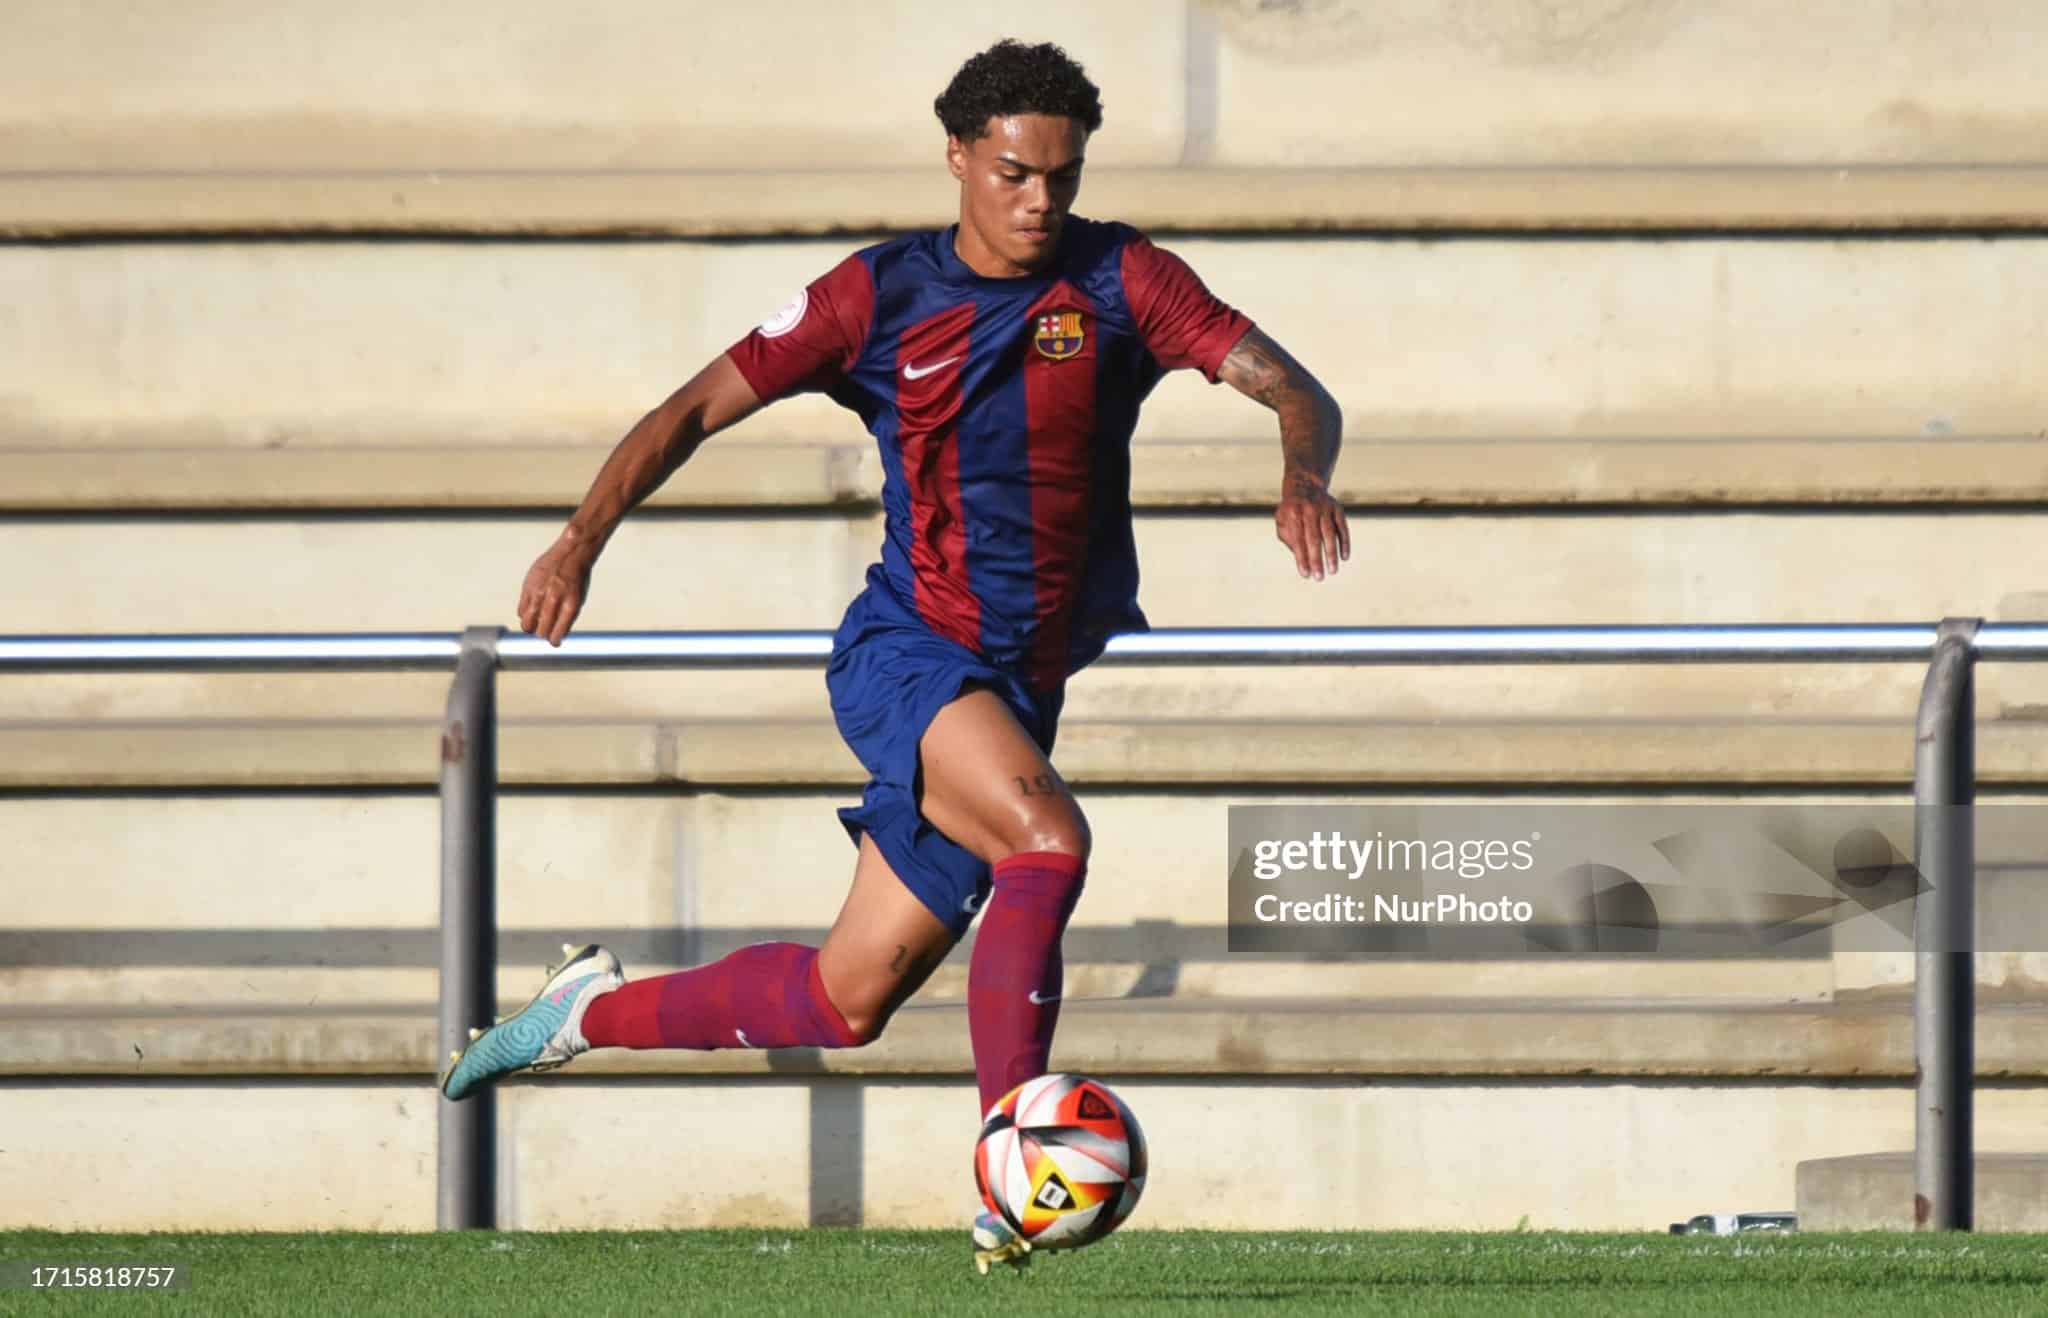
pixel 815 339
pixel 557 583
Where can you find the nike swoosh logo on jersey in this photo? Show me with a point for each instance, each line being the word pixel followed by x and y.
pixel 912 371
pixel 1037 1001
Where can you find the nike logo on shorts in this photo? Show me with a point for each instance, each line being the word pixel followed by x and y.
pixel 1037 1001
pixel 912 371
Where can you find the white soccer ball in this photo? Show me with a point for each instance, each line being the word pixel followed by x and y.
pixel 1061 1160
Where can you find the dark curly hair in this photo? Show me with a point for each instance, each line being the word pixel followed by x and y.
pixel 1013 78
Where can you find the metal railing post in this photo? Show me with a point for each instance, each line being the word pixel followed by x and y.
pixel 1945 936
pixel 467 1179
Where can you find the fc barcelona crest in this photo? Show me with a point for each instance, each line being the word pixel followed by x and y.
pixel 1059 334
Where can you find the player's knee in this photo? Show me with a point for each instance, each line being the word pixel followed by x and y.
pixel 864 1013
pixel 863 1027
pixel 864 1019
pixel 1059 826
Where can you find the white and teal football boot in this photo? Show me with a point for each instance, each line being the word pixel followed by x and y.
pixel 994 1243
pixel 545 1033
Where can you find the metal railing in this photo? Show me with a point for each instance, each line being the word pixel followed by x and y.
pixel 1944 994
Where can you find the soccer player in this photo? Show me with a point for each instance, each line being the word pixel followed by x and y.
pixel 1000 364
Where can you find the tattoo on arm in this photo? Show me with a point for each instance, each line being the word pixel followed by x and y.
pixel 1259 368
pixel 1311 424
pixel 1042 784
pixel 896 966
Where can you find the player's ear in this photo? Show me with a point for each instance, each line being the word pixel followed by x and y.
pixel 956 157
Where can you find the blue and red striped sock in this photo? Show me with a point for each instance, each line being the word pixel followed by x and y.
pixel 768 995
pixel 1014 979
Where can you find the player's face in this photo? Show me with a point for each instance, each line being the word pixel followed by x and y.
pixel 1017 183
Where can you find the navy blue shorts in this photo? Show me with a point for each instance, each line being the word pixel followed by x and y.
pixel 889 677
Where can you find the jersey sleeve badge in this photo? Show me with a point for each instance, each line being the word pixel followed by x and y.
pixel 787 319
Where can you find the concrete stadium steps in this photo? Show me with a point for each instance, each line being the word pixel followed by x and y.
pixel 1262 1037
pixel 238 85
pixel 265 901
pixel 1875 1192
pixel 1192 969
pixel 1375 472
pixel 1641 1141
pixel 405 573
pixel 1210 754
pixel 1838 694
pixel 791 1151
pixel 698 203
pixel 228 883
pixel 282 344
pixel 1205 730
pixel 377 572
pixel 632 83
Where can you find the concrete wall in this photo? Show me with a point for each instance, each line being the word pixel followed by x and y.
pixel 344 574
pixel 1835 694
pixel 144 904
pixel 1264 1155
pixel 379 574
pixel 126 901
pixel 123 896
pixel 1626 82
pixel 233 84
pixel 398 573
pixel 387 344
pixel 638 83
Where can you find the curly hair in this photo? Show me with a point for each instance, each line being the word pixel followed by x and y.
pixel 1013 78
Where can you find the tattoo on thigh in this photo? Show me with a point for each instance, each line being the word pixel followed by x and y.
pixel 902 954
pixel 1041 784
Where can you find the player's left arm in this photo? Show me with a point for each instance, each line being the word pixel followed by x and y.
pixel 1309 520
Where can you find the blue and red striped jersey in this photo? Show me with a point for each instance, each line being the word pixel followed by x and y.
pixel 1004 410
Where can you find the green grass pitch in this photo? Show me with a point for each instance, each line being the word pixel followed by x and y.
pixel 842 1273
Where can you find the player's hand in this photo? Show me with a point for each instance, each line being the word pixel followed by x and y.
pixel 556 586
pixel 1311 522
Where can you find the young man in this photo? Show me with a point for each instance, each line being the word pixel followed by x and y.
pixel 999 363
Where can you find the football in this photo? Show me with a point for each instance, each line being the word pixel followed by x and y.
pixel 1061 1159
